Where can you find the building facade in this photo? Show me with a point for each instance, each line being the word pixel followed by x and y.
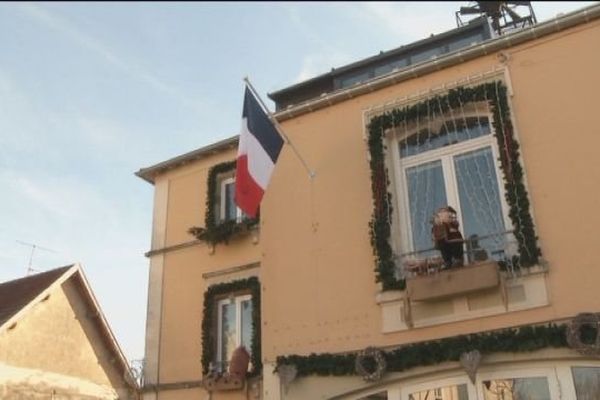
pixel 338 291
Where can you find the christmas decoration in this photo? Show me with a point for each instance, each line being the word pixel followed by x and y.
pixel 583 334
pixel 209 317
pixel 494 94
pixel 516 340
pixel 470 362
pixel 215 231
pixel 370 364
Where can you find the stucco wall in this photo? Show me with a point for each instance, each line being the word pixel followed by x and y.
pixel 56 345
pixel 182 274
pixel 316 262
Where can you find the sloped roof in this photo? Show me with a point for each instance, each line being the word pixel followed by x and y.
pixel 16 294
pixel 17 297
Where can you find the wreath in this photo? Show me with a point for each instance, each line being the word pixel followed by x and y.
pixel 583 326
pixel 364 364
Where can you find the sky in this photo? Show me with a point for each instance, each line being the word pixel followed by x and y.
pixel 92 92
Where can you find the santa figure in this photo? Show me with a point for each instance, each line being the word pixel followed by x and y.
pixel 446 236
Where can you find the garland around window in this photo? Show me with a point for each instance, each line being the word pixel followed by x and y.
pixel 215 231
pixel 515 192
pixel 210 315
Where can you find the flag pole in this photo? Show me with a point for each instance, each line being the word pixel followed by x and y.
pixel 287 140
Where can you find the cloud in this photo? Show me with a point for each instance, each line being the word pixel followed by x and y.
pixel 410 21
pixel 317 64
pixel 58 23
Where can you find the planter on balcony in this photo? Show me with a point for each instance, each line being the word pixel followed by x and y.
pixel 453 282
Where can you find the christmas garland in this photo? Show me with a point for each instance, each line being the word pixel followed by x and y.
pixel 524 339
pixel 214 231
pixel 515 192
pixel 210 315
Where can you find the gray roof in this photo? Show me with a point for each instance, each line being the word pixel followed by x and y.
pixel 16 294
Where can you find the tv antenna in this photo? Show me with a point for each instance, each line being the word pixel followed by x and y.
pixel 504 16
pixel 34 247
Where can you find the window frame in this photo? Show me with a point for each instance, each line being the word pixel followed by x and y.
pixel 237 299
pixel 403 240
pixel 223 182
pixel 214 293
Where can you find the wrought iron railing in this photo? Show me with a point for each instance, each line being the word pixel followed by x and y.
pixel 501 247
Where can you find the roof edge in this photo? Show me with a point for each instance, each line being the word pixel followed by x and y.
pixel 149 173
pixel 554 25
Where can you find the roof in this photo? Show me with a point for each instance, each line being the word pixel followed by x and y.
pixel 149 173
pixel 487 47
pixel 474 24
pixel 14 295
pixel 490 46
pixel 18 296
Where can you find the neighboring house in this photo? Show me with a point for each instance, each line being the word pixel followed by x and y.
pixel 337 291
pixel 56 344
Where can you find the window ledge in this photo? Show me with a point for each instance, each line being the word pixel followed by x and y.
pixel 522 291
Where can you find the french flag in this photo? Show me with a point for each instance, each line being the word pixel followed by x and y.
pixel 259 148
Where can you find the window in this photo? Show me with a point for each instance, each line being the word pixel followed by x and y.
pixel 228 208
pixel 587 382
pixel 452 160
pixel 453 392
pixel 516 389
pixel 234 327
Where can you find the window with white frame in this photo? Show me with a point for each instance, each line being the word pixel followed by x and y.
pixel 229 210
pixel 451 160
pixel 587 382
pixel 234 327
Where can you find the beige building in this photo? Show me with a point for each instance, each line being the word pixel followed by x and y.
pixel 337 291
pixel 55 342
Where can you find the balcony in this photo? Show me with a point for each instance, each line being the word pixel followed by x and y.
pixel 488 281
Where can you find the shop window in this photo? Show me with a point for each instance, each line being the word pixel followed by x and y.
pixel 587 382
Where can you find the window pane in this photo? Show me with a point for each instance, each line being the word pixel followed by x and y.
pixel 587 382
pixel 516 389
pixel 247 325
pixel 228 331
pixel 480 204
pixel 230 206
pixel 454 392
pixel 426 193
pixel 451 132
pixel 466 41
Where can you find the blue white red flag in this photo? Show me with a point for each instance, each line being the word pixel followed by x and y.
pixel 259 148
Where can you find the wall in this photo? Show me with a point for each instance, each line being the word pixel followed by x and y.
pixel 317 263
pixel 56 347
pixel 178 281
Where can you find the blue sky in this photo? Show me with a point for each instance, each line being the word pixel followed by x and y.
pixel 92 92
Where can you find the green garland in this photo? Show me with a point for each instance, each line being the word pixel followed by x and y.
pixel 524 339
pixel 515 192
pixel 209 320
pixel 213 231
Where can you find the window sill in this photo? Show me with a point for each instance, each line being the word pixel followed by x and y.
pixel 253 232
pixel 516 292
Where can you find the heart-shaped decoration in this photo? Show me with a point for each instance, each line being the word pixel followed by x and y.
pixel 470 361
pixel 287 374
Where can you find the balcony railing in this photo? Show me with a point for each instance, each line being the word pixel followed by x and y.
pixel 501 247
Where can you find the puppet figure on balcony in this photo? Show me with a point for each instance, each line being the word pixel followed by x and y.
pixel 446 236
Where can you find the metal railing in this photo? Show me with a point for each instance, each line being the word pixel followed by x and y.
pixel 501 247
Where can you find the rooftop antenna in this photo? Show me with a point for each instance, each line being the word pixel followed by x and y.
pixel 33 248
pixel 504 16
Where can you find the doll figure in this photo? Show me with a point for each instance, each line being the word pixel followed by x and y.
pixel 446 236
